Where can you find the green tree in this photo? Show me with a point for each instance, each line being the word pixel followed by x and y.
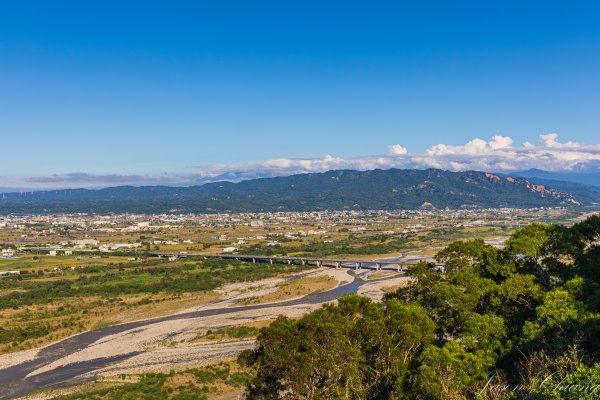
pixel 530 240
pixel 557 320
pixel 451 372
pixel 310 359
pixel 482 332
pixel 528 309
pixel 515 299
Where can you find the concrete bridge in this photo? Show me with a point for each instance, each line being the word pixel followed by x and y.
pixel 319 262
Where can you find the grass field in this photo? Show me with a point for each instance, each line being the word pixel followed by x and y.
pixel 293 288
pixel 235 332
pixel 380 274
pixel 33 262
pixel 225 380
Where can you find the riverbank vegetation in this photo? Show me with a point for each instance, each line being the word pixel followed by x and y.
pixel 521 322
pixel 224 378
pixel 36 308
pixel 293 288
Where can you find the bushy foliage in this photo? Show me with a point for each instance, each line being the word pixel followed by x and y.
pixel 199 384
pixel 520 322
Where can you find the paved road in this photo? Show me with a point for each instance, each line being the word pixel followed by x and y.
pixel 15 383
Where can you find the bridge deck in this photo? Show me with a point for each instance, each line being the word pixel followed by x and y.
pixel 337 262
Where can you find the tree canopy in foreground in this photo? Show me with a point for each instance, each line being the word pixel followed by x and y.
pixel 513 323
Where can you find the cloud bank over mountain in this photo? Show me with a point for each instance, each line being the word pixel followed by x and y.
pixel 498 154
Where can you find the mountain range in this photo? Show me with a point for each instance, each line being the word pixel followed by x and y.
pixel 332 190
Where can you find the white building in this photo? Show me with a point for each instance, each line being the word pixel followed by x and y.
pixel 8 252
pixel 86 243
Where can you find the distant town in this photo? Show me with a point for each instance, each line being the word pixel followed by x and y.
pixel 66 234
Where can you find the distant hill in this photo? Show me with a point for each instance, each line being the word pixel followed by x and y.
pixel 584 178
pixel 586 194
pixel 333 190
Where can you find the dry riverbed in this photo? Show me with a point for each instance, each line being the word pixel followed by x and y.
pixel 180 344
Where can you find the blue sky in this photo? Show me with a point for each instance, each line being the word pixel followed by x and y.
pixel 93 93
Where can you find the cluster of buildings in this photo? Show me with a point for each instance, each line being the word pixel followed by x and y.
pixel 63 234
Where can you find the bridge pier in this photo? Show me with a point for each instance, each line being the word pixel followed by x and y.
pixel 320 262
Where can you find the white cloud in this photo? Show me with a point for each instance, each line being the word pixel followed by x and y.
pixel 474 147
pixel 500 142
pixel 496 154
pixel 398 150
pixel 551 140
pixel 92 181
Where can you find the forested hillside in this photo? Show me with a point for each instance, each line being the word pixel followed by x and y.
pixel 333 190
pixel 523 322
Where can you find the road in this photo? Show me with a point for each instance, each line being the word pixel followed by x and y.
pixel 15 383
